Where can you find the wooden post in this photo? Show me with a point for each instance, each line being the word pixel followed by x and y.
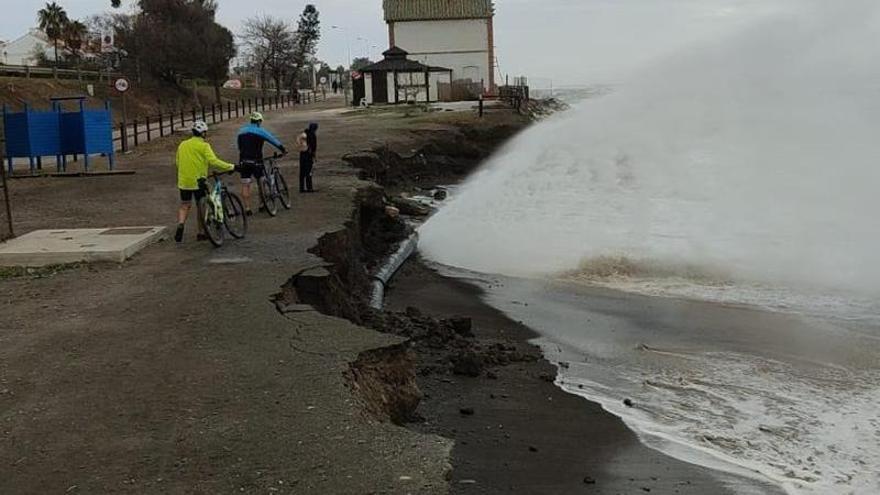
pixel 194 115
pixel 161 126
pixel 214 112
pixel 172 123
pixel 6 199
pixel 149 138
pixel 135 126
pixel 204 115
pixel 182 119
pixel 228 110
pixel 123 135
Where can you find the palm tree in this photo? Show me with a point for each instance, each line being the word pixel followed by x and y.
pixel 53 19
pixel 74 34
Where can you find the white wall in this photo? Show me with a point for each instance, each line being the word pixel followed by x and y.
pixel 390 81
pixel 460 45
pixel 21 51
pixel 436 79
pixel 368 86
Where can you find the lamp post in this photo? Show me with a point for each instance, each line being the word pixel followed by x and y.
pixel 347 42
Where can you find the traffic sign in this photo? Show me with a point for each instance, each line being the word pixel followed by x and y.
pixel 122 85
pixel 356 74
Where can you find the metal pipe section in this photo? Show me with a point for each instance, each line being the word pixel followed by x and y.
pixel 387 271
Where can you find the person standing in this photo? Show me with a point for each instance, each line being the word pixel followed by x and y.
pixel 307 142
pixel 194 157
pixel 251 139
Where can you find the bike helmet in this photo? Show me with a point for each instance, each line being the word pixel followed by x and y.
pixel 199 127
pixel 256 117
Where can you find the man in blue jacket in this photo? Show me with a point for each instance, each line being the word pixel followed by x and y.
pixel 250 149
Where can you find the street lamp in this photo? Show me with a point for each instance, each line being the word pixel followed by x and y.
pixel 347 42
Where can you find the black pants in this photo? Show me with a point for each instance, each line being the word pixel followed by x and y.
pixel 305 171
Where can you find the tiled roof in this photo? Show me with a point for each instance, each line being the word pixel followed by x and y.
pixel 429 10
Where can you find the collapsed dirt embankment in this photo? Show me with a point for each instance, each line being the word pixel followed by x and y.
pixel 385 379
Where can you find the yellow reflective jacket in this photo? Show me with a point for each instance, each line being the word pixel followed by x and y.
pixel 194 157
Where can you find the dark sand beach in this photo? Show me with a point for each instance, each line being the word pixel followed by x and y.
pixel 526 435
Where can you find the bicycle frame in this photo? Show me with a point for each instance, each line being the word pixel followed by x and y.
pixel 215 196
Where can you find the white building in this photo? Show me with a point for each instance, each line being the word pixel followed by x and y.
pixel 24 50
pixel 458 34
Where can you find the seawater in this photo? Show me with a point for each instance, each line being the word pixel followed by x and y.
pixel 738 175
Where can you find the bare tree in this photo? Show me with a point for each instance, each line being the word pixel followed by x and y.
pixel 270 42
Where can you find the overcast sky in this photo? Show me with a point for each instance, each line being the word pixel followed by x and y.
pixel 568 41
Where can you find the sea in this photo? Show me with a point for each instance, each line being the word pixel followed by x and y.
pixel 697 247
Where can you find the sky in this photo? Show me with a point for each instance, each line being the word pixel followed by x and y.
pixel 559 42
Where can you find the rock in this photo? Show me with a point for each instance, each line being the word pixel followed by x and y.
pixel 294 308
pixel 410 207
pixel 466 411
pixel 441 195
pixel 589 480
pixel 532 448
pixel 467 364
pixel 392 212
pixel 628 402
pixel 462 326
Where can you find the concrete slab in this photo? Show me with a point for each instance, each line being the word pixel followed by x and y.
pixel 56 247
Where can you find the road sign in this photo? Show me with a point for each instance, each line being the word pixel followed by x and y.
pixel 356 74
pixel 323 79
pixel 122 85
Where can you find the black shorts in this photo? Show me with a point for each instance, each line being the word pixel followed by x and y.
pixel 187 195
pixel 251 170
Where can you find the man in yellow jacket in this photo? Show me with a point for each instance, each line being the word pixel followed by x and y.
pixel 194 158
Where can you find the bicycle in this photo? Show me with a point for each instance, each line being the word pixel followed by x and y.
pixel 221 211
pixel 273 187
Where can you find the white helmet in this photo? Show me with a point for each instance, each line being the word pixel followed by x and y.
pixel 199 127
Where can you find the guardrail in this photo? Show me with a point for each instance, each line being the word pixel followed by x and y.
pixel 28 72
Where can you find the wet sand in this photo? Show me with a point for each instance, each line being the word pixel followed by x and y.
pixel 525 435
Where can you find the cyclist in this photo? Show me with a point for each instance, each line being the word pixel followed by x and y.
pixel 251 138
pixel 194 157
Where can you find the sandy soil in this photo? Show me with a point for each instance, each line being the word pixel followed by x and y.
pixel 174 373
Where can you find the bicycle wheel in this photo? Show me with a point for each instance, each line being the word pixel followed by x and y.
pixel 283 191
pixel 267 197
pixel 234 216
pixel 210 225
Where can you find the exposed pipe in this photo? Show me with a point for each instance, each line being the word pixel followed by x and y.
pixel 392 264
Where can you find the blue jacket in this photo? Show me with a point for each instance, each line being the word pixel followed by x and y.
pixel 250 142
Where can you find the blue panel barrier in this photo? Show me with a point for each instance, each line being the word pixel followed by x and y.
pixel 34 134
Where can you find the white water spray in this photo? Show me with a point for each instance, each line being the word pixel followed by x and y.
pixel 757 157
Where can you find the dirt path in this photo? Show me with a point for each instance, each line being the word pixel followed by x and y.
pixel 174 373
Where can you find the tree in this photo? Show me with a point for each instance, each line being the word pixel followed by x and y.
pixel 75 35
pixel 218 48
pixel 270 43
pixel 308 33
pixel 52 19
pixel 360 62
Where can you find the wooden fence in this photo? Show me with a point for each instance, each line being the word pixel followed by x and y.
pixel 28 72
pixel 129 135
